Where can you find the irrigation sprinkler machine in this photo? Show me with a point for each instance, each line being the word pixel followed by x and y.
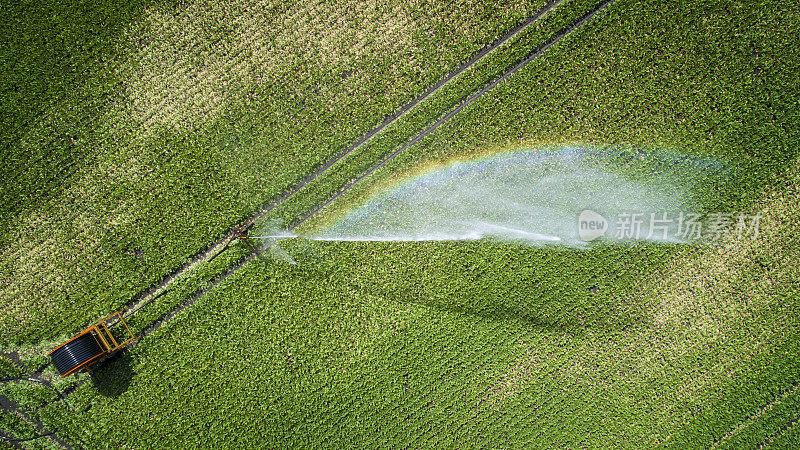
pixel 97 342
pixel 91 346
pixel 110 335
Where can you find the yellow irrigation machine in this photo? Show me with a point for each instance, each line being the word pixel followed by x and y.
pixel 91 346
pixel 97 343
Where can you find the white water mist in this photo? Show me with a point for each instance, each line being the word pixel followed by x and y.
pixel 534 196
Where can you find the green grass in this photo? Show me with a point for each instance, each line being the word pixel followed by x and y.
pixel 330 352
pixel 684 91
pixel 498 345
pixel 444 100
pixel 192 129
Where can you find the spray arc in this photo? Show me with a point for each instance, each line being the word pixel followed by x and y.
pixel 533 196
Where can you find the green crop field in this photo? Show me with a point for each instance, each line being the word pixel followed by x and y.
pixel 136 138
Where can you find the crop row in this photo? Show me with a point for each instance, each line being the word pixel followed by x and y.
pixel 172 193
pixel 450 95
pixel 755 389
pixel 170 294
pixel 182 292
pixel 435 104
pixel 408 343
pixel 332 349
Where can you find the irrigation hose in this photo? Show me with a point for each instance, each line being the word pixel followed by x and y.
pixel 8 438
pixel 72 357
pixel 75 353
pixel 129 312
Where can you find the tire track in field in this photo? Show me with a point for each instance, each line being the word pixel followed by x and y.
pixel 421 135
pixel 449 115
pixel 755 416
pixel 159 289
pixel 162 287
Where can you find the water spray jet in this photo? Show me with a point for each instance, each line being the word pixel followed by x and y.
pixel 534 196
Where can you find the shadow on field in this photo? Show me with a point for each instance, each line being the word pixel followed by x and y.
pixel 53 55
pixel 550 288
pixel 113 377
